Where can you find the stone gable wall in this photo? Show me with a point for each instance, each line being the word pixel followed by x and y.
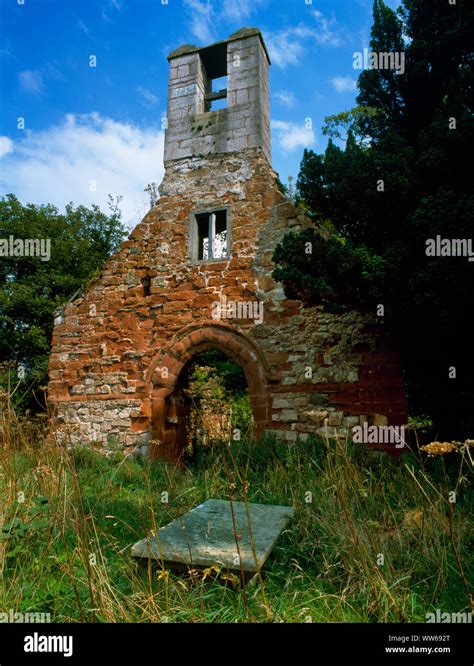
pixel 117 354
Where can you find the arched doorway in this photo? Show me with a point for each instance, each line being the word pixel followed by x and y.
pixel 169 409
pixel 209 405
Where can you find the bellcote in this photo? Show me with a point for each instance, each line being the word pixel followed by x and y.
pixel 218 98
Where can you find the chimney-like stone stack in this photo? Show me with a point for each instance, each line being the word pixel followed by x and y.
pixel 193 129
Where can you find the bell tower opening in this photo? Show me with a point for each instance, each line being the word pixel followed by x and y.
pixel 214 73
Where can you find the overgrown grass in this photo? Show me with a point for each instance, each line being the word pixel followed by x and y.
pixel 373 539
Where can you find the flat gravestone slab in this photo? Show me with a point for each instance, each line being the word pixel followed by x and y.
pixel 205 536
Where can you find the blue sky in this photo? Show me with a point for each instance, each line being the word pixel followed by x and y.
pixel 91 131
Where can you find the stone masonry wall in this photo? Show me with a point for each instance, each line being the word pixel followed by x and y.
pixel 117 353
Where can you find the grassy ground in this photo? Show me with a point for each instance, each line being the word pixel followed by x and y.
pixel 372 539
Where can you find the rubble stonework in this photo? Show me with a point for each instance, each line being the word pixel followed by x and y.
pixel 119 350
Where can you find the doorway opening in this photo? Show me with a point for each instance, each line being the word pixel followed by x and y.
pixel 210 405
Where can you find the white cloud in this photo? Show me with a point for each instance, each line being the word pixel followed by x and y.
pixel 6 145
pixel 285 97
pixel 201 19
pixel 290 136
pixel 344 84
pixel 110 6
pixel 239 10
pixel 325 33
pixel 287 46
pixel 82 26
pixel 204 14
pixel 58 164
pixel 147 95
pixel 31 81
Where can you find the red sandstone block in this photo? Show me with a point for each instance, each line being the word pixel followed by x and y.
pixel 397 418
pixel 140 424
pixel 179 348
pixel 287 211
pixel 173 366
pixel 215 281
pixel 330 387
pixel 390 394
pixel 271 318
pixel 74 365
pixel 386 358
pixel 277 357
pixel 234 293
pixel 344 397
pixel 174 308
pixel 373 407
pixel 295 305
pixel 204 300
pixel 196 337
pixel 241 263
pixel 279 425
pixel 215 335
pixel 267 198
pixel 260 413
pixel 391 372
pixel 58 389
pixel 399 409
pixel 214 266
pixel 397 397
pixel 352 409
pixel 146 409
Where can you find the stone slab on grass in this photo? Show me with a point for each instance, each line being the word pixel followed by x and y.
pixel 205 536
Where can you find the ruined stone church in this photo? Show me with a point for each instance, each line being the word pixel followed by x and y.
pixel 196 274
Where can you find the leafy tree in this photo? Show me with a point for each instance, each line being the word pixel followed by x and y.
pixel 31 289
pixel 232 375
pixel 382 89
pixel 400 179
pixel 217 390
pixel 328 270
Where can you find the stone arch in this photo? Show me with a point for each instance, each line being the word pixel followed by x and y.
pixel 166 367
